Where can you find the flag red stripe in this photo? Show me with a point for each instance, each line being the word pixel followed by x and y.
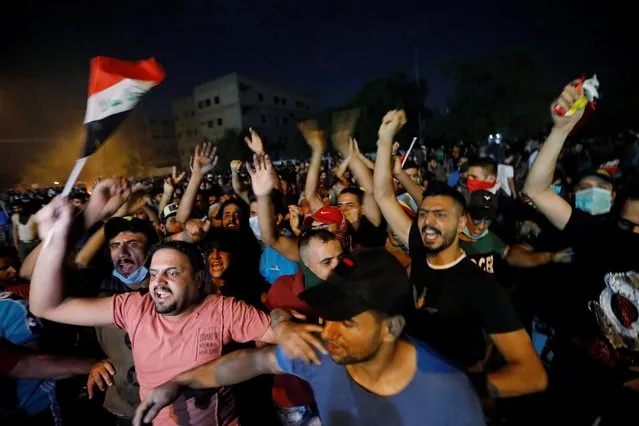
pixel 105 72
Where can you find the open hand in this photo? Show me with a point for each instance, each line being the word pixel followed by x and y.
pixel 160 397
pixel 254 142
pixel 298 341
pixel 108 196
pixel 313 136
pixel 204 160
pixel 101 375
pixel 171 182
pixel 261 173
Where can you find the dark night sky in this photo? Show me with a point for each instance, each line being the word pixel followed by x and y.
pixel 329 47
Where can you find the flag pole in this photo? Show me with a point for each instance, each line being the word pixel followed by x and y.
pixel 409 150
pixel 73 176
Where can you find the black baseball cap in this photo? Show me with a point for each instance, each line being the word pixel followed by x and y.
pixel 369 279
pixel 597 172
pixel 482 205
pixel 116 225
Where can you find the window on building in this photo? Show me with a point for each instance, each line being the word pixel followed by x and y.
pixel 219 121
pixel 276 100
pixel 216 100
pixel 285 120
pixel 263 119
pixel 277 120
pixel 207 102
pixel 283 101
pixel 260 97
pixel 200 105
pixel 209 124
pixel 192 113
pixel 188 133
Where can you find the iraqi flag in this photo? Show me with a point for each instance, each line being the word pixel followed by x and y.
pixel 115 88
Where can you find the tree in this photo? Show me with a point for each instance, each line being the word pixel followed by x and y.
pixel 377 97
pixel 497 93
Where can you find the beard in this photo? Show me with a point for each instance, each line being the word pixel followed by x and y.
pixel 447 240
pixel 344 357
pixel 165 309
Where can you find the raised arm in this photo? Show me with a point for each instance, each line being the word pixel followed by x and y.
pixel 394 214
pixel 537 186
pixel 170 183
pixel 415 191
pixel 262 183
pixel 255 144
pixel 203 162
pixel 236 182
pixel 46 296
pixel 315 139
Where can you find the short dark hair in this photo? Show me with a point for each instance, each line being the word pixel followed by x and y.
pixel 323 235
pixel 355 191
pixel 487 164
pixel 410 164
pixel 187 249
pixel 629 193
pixel 277 201
pixel 440 189
pixel 8 252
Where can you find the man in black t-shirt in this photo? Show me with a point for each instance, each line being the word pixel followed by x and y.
pixel 595 370
pixel 364 233
pixel 458 303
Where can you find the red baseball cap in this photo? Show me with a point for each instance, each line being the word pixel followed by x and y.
pixel 325 215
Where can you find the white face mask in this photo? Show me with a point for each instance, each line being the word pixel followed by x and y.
pixel 595 201
pixel 255 227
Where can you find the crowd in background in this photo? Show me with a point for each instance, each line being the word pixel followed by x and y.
pixel 462 284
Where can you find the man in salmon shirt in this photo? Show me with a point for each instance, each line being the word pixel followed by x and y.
pixel 173 328
pixel 320 251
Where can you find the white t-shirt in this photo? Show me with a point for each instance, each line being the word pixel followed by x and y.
pixel 532 158
pixel 505 172
pixel 28 232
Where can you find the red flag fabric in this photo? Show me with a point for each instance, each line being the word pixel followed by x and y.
pixel 115 88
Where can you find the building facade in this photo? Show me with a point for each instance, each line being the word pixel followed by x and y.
pixel 234 102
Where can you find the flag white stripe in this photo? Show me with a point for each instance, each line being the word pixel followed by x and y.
pixel 118 98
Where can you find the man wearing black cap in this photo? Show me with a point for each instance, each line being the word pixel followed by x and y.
pixel 371 375
pixel 487 250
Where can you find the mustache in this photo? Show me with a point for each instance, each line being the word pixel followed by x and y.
pixel 430 228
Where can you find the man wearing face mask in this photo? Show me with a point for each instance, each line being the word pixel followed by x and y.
pixel 129 241
pixel 272 264
pixel 594 192
pixel 596 345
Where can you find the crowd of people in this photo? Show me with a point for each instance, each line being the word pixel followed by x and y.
pixel 466 284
